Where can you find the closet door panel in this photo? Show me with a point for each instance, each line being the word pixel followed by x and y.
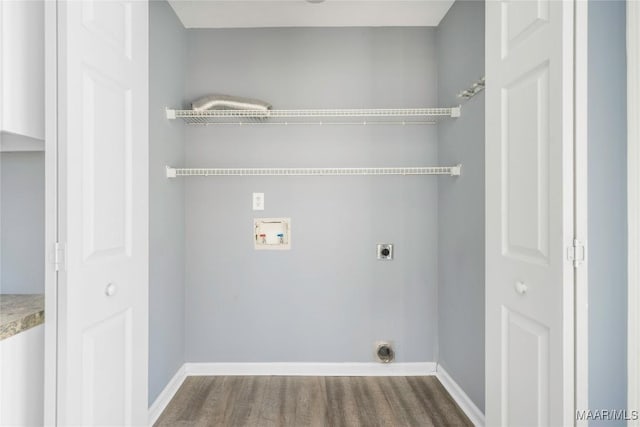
pixel 520 20
pixel 103 219
pixel 529 213
pixel 106 175
pixel 525 179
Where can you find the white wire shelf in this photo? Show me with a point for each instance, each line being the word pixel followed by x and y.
pixel 401 116
pixel 427 170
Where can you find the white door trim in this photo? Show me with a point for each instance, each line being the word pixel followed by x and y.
pixel 51 213
pixel 633 204
pixel 581 206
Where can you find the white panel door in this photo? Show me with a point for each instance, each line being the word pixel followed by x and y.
pixel 529 213
pixel 103 212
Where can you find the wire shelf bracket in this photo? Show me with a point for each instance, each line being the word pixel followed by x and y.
pixel 426 170
pixel 327 116
pixel 477 87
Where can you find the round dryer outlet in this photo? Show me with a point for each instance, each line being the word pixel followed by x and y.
pixel 384 352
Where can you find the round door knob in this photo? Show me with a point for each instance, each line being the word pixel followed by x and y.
pixel 521 288
pixel 110 290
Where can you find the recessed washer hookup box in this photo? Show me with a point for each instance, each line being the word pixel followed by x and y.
pixel 272 233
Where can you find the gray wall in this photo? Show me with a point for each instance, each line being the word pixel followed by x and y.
pixel 328 298
pixel 166 205
pixel 460 47
pixel 607 207
pixel 22 222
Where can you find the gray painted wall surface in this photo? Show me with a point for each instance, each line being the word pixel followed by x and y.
pixel 607 207
pixel 166 205
pixel 328 298
pixel 22 222
pixel 460 47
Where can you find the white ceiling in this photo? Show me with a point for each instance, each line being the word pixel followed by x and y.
pixel 300 13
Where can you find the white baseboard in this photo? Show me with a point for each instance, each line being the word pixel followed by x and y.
pixel 473 412
pixel 312 369
pixel 165 396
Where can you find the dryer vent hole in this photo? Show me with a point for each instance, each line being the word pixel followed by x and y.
pixel 385 353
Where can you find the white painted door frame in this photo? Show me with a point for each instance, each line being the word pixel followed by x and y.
pixel 633 205
pixel 581 206
pixel 51 213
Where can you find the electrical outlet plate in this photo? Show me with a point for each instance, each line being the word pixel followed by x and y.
pixel 258 201
pixel 385 251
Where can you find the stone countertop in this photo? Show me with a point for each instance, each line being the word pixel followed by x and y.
pixel 19 313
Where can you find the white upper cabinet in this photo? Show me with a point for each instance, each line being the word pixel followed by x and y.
pixel 21 74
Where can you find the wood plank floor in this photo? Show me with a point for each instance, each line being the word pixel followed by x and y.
pixel 263 401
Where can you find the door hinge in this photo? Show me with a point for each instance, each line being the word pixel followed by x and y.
pixel 576 253
pixel 59 256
